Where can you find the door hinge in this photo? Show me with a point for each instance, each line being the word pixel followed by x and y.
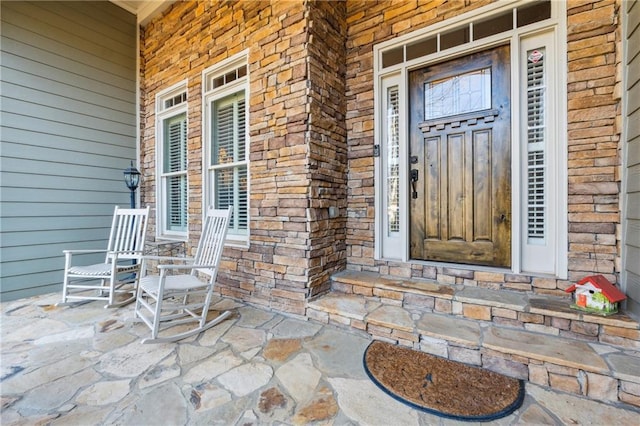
pixel 376 150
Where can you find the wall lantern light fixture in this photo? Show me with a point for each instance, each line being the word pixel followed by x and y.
pixel 132 180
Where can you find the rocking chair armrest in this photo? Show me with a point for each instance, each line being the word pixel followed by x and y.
pixel 187 266
pixel 115 254
pixel 79 251
pixel 171 258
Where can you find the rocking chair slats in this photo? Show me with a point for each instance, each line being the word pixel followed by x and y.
pixel 119 274
pixel 177 296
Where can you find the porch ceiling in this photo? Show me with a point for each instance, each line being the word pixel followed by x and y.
pixel 144 9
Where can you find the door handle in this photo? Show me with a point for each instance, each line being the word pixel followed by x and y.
pixel 414 181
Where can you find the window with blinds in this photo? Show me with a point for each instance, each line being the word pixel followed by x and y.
pixel 393 161
pixel 171 165
pixel 225 93
pixel 174 173
pixel 536 158
pixel 228 159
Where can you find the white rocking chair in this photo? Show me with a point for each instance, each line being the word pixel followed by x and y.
pixel 167 300
pixel 120 272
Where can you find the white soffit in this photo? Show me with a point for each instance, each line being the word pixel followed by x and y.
pixel 144 10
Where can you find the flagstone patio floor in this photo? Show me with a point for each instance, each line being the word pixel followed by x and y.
pixel 85 365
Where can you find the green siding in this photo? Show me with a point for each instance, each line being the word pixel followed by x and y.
pixel 631 175
pixel 68 130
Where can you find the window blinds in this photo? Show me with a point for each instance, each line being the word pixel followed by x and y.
pixel 229 160
pixel 175 170
pixel 536 155
pixel 393 157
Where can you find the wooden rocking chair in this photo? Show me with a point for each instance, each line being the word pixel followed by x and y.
pixel 165 301
pixel 120 272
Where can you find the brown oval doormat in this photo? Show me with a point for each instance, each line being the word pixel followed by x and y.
pixel 440 386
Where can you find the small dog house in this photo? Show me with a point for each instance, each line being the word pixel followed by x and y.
pixel 596 294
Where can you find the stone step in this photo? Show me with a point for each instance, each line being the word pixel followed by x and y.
pixel 541 313
pixel 594 369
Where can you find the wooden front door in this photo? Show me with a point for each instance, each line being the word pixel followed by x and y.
pixel 460 160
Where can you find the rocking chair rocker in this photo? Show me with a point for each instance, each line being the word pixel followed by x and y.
pixel 120 272
pixel 165 301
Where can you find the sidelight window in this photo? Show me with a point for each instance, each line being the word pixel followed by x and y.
pixel 393 158
pixel 536 182
pixel 543 176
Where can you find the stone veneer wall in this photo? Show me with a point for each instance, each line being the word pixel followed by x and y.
pixel 327 142
pixel 311 146
pixel 594 130
pixel 594 58
pixel 297 135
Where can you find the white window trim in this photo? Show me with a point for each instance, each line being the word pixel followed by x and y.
pixel 163 114
pixel 390 244
pixel 556 170
pixel 400 72
pixel 210 95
